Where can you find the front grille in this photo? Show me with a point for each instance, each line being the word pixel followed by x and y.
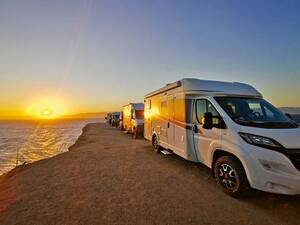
pixel 294 156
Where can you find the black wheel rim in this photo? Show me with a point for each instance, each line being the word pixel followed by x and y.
pixel 228 177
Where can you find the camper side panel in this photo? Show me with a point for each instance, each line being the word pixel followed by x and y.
pixel 168 115
pixel 148 119
pixel 127 117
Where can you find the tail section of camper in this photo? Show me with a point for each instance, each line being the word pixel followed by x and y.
pixel 133 119
pixel 168 121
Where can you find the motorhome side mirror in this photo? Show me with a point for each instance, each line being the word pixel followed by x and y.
pixel 211 121
pixel 208 121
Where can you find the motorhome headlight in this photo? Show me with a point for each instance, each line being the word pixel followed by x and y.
pixel 260 141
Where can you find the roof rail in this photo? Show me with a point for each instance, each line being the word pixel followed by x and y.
pixel 166 88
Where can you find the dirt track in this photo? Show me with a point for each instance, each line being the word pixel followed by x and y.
pixel 109 178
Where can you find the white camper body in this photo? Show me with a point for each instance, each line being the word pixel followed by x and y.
pixel 175 119
pixel 133 118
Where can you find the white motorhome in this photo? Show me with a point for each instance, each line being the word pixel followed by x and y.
pixel 230 128
pixel 133 119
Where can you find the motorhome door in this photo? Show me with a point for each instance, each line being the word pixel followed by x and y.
pixel 163 120
pixel 204 139
pixel 171 125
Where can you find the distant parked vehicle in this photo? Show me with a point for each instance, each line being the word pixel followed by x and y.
pixel 133 119
pixel 230 128
pixel 108 118
pixel 115 118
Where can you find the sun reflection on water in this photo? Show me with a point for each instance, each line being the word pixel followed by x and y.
pixel 36 140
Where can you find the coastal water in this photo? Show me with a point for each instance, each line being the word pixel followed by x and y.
pixel 29 141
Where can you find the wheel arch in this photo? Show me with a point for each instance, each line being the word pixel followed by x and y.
pixel 219 153
pixel 153 135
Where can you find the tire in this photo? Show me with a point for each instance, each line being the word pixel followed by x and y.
pixel 155 144
pixel 231 176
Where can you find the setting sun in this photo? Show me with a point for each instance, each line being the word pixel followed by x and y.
pixel 46 112
pixel 48 108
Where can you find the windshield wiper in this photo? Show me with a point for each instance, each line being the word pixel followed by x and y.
pixel 263 124
pixel 281 124
pixel 274 124
pixel 248 122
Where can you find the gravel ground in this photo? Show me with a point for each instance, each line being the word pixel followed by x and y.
pixel 109 178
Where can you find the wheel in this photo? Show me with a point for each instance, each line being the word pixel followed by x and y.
pixel 230 175
pixel 155 144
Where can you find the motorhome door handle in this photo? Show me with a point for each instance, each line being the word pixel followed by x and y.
pixel 168 124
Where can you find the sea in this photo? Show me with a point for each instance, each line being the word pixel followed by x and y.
pixel 28 141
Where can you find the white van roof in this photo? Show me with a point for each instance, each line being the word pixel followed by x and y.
pixel 209 87
pixel 137 106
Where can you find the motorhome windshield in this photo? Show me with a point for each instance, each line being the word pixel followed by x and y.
pixel 139 114
pixel 255 112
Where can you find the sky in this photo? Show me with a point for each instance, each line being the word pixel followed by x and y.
pixel 95 56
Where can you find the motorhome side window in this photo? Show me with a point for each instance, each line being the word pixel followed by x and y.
pixel 204 106
pixel 212 109
pixel 201 109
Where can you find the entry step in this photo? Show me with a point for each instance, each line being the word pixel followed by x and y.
pixel 165 152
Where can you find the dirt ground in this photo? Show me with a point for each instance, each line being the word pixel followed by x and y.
pixel 109 178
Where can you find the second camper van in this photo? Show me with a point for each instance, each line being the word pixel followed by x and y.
pixel 133 119
pixel 230 128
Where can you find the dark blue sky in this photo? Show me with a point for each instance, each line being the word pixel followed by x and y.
pixel 98 55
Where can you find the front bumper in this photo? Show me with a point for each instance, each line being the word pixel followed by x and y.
pixel 271 171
